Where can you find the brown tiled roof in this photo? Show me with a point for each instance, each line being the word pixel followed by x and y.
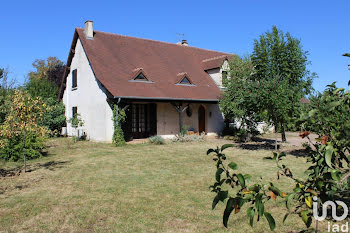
pixel 215 62
pixel 115 59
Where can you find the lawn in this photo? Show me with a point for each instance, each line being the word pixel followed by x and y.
pixel 95 187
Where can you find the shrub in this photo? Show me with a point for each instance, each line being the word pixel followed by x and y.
pixel 118 118
pixel 240 134
pixel 157 140
pixel 76 121
pixel 21 126
pixel 54 119
pixel 189 138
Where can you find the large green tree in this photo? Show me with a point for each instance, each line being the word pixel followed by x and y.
pixel 280 68
pixel 240 98
pixel 44 82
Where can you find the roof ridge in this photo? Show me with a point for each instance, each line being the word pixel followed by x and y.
pixel 214 58
pixel 158 41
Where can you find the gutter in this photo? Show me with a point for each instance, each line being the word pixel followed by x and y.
pixel 164 98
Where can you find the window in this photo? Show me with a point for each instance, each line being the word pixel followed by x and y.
pixel 185 81
pixel 74 112
pixel 224 76
pixel 141 77
pixel 74 78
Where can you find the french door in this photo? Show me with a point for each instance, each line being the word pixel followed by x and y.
pixel 143 120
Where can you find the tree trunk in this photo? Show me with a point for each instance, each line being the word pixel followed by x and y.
pixel 24 154
pixel 283 132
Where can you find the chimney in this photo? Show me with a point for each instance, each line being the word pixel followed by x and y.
pixel 89 30
pixel 184 43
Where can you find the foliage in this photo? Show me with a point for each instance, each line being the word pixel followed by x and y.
pixel 54 119
pixel 240 98
pixel 184 130
pixel 21 125
pixel 189 138
pixel 241 134
pixel 41 87
pixel 76 121
pixel 328 173
pixel 157 140
pixel 6 90
pixel 50 69
pixel 254 196
pixel 280 71
pixel 45 82
pixel 118 118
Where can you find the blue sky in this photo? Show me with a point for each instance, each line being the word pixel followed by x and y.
pixel 37 29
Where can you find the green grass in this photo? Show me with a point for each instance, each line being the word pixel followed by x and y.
pixel 95 187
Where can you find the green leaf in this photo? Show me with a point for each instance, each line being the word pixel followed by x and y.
pixel 312 112
pixel 285 217
pixel 222 195
pixel 259 205
pixel 271 221
pixel 306 218
pixel 210 151
pixel 250 214
pixel 215 202
pixel 227 146
pixel 334 175
pixel 218 174
pixel 241 180
pixel 233 165
pixel 288 200
pixel 228 210
pixel 328 155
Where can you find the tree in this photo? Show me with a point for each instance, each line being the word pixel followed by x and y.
pixel 44 82
pixel 240 98
pixel 280 68
pixel 20 134
pixel 328 174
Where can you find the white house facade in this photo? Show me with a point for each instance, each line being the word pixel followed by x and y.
pixel 161 86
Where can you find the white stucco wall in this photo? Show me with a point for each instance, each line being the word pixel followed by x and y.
pixel 89 98
pixel 216 74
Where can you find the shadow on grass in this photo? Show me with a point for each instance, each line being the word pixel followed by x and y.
pixel 258 143
pixel 51 165
pixel 298 152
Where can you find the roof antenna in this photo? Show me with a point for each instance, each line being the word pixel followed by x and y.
pixel 180 38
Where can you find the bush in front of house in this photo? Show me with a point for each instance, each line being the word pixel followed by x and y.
pixel 157 140
pixel 189 138
pixel 118 118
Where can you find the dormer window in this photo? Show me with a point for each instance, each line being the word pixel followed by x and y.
pixel 184 79
pixel 139 75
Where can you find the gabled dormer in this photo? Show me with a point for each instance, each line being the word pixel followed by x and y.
pixel 184 79
pixel 139 75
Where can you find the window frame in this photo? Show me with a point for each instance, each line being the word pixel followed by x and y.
pixel 74 111
pixel 74 79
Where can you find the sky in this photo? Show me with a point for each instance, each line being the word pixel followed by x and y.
pixel 32 30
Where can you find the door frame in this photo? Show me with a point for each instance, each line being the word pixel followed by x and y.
pixel 201 119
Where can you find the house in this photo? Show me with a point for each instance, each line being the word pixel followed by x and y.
pixel 161 86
